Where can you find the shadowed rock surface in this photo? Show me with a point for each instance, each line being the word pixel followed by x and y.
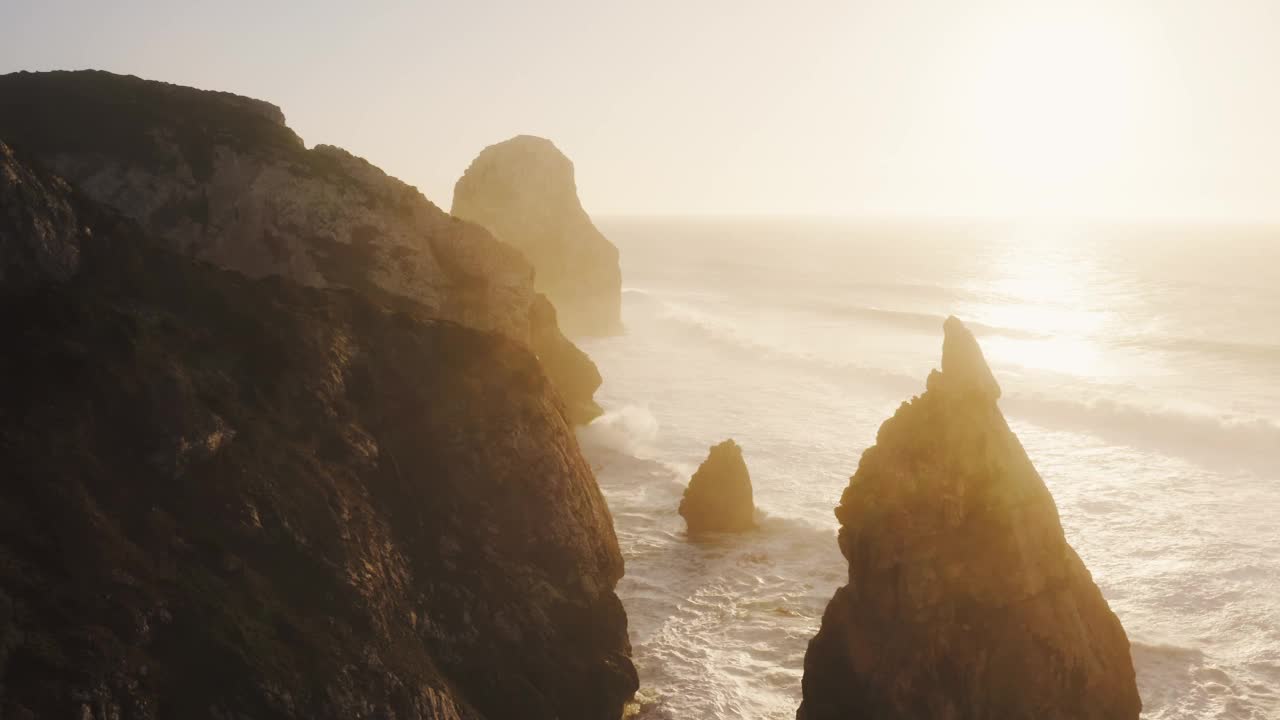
pixel 523 190
pixel 221 178
pixel 719 497
pixel 231 498
pixel 964 599
pixel 40 236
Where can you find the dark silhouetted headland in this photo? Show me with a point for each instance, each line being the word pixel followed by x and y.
pixel 227 496
pixel 221 178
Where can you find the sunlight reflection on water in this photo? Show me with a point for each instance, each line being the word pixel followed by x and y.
pixel 1144 393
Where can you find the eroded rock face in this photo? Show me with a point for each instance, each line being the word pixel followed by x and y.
pixel 40 234
pixel 719 497
pixel 230 498
pixel 523 191
pixel 222 179
pixel 964 599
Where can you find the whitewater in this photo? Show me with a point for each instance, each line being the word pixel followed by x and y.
pixel 1139 368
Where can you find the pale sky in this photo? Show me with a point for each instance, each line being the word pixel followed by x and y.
pixel 1166 109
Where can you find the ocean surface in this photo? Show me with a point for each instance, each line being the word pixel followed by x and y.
pixel 1140 367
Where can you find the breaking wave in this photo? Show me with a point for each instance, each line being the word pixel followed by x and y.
pixel 1222 441
pixel 1181 682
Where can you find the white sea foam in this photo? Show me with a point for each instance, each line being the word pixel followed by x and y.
pixel 1220 441
pixel 630 429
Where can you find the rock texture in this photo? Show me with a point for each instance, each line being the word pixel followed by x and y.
pixel 964 599
pixel 719 497
pixel 221 178
pixel 40 235
pixel 523 191
pixel 233 498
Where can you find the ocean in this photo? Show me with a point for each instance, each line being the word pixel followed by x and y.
pixel 1140 368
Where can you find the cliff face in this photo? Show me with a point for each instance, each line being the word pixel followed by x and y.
pixel 221 178
pixel 40 235
pixel 225 498
pixel 964 598
pixel 719 496
pixel 523 191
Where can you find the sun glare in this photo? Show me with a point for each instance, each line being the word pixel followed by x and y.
pixel 1042 292
pixel 1051 99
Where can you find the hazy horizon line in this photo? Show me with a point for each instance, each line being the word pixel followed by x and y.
pixel 944 219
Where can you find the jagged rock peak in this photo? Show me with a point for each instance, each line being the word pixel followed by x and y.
pixel 964 599
pixel 964 369
pixel 719 496
pixel 523 190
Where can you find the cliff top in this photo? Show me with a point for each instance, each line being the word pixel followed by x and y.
pixel 98 111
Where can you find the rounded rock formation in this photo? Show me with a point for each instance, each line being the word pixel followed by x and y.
pixel 964 598
pixel 523 191
pixel 569 369
pixel 719 497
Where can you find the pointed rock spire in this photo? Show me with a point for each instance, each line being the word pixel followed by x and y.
pixel 964 598
pixel 964 369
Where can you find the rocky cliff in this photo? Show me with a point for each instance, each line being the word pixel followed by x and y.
pixel 523 190
pixel 40 233
pixel 223 179
pixel 719 496
pixel 569 368
pixel 964 599
pixel 224 497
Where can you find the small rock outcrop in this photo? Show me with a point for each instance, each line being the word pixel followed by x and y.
pixel 964 600
pixel 221 178
pixel 224 497
pixel 523 191
pixel 719 497
pixel 568 368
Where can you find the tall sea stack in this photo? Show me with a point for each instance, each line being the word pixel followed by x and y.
pixel 523 191
pixel 964 600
